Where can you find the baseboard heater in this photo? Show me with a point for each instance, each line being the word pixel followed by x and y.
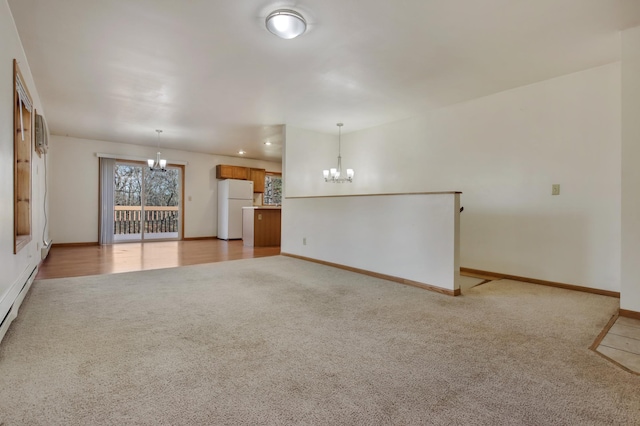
pixel 13 311
pixel 44 251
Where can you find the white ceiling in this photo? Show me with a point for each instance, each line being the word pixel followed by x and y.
pixel 215 80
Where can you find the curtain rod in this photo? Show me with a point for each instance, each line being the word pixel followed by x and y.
pixel 134 158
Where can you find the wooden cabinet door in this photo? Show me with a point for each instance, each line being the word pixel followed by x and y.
pixel 225 171
pixel 257 176
pixel 241 173
pixel 267 227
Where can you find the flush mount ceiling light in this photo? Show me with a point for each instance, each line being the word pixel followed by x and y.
pixel 158 163
pixel 335 175
pixel 286 23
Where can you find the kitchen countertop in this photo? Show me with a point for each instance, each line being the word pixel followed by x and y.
pixel 264 207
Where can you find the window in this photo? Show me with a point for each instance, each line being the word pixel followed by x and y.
pixel 22 126
pixel 272 189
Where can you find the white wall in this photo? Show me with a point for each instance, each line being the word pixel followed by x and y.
pixel 630 292
pixel 305 155
pixel 74 186
pixel 419 245
pixel 15 268
pixel 503 152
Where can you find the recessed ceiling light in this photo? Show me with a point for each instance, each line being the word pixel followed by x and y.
pixel 241 152
pixel 267 143
pixel 286 23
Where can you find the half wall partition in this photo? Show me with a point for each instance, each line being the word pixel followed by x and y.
pixel 410 238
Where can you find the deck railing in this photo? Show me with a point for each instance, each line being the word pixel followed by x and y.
pixel 128 219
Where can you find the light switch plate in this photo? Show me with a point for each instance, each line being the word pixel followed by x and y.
pixel 555 189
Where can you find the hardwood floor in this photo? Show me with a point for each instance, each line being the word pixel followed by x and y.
pixel 66 261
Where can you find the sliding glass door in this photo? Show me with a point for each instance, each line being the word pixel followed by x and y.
pixel 161 204
pixel 146 203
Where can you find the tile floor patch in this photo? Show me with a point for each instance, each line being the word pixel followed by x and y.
pixel 625 330
pixel 626 359
pixel 629 322
pixel 622 343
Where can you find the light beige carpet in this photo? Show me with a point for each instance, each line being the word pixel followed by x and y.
pixel 282 341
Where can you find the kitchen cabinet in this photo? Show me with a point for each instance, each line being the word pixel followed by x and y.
pixel 257 176
pixel 261 226
pixel 224 171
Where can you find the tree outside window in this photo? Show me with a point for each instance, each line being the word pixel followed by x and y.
pixel 272 190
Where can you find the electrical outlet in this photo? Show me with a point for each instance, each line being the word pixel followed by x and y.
pixel 304 241
pixel 555 189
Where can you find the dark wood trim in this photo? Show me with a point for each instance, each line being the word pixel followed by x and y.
pixel 604 332
pixel 199 238
pixel 378 275
pixel 376 195
pixel 465 273
pixel 629 314
pixel 87 244
pixel 429 287
pixel 497 275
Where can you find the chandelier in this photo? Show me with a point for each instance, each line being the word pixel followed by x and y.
pixel 335 175
pixel 158 163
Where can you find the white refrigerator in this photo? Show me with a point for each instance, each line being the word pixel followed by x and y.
pixel 233 195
